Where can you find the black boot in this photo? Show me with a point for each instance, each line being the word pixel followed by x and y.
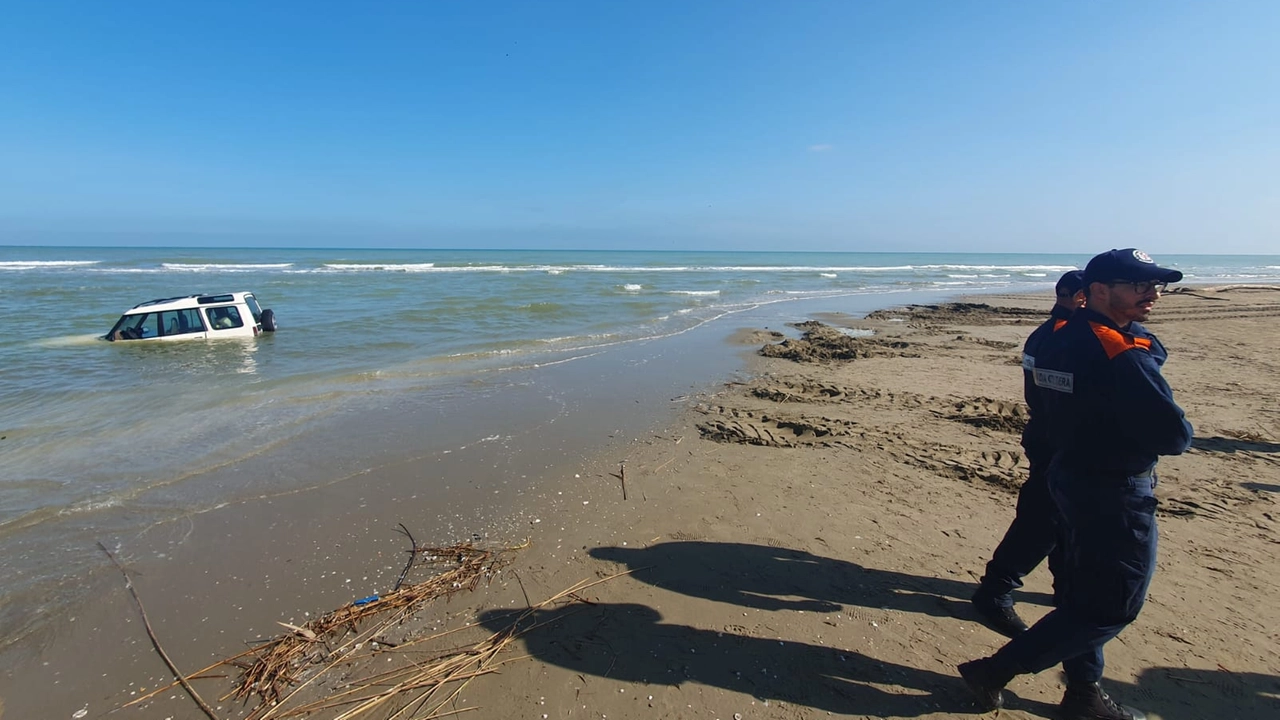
pixel 997 617
pixel 1087 701
pixel 986 679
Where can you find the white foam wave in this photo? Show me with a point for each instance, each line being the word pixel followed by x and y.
pixel 999 268
pixel 380 267
pixel 693 292
pixel 90 506
pixel 43 264
pixel 224 267
pixel 432 268
pixel 632 288
pixel 829 271
pixel 798 269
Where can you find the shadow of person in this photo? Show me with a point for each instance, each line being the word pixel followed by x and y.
pixel 1174 693
pixel 1221 444
pixel 770 578
pixel 627 641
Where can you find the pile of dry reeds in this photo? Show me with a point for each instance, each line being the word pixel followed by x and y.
pixel 426 688
pixel 273 671
pixel 293 674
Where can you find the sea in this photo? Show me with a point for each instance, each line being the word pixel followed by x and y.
pixel 102 440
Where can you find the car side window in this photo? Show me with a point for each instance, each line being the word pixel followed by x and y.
pixel 145 326
pixel 254 309
pixel 134 327
pixel 179 322
pixel 224 318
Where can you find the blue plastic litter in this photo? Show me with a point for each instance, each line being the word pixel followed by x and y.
pixel 367 600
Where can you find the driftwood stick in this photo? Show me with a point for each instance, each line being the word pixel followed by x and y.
pixel 527 604
pixel 128 583
pixel 622 474
pixel 413 554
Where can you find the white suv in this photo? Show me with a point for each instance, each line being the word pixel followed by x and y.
pixel 194 317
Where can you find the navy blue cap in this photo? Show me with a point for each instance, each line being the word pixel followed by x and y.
pixel 1128 264
pixel 1070 283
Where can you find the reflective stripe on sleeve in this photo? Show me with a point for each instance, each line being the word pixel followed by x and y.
pixel 1054 380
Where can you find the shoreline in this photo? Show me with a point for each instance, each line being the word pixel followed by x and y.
pixel 745 498
pixel 494 419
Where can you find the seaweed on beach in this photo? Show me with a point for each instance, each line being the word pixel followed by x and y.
pixel 824 343
pixel 963 313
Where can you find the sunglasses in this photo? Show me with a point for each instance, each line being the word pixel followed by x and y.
pixel 1142 287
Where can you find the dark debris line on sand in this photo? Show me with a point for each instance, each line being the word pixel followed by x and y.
pixel 823 342
pixel 959 312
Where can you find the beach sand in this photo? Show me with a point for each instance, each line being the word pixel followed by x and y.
pixel 800 543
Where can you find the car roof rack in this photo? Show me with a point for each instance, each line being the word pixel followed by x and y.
pixel 201 298
pixel 159 301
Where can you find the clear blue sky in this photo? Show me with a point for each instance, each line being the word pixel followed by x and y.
pixel 1061 126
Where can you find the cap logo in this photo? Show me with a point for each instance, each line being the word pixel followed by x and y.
pixel 1143 257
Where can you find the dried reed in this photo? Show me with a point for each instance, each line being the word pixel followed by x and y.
pixel 293 675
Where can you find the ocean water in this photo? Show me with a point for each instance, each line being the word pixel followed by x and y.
pixel 106 439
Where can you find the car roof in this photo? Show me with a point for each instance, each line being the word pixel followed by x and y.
pixel 188 301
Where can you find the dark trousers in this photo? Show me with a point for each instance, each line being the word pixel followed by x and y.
pixel 1032 536
pixel 1109 527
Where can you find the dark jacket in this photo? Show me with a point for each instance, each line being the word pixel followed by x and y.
pixel 1035 436
pixel 1100 391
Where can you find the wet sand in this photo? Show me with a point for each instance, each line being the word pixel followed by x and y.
pixel 798 542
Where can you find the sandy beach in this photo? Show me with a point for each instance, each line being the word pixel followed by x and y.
pixel 800 542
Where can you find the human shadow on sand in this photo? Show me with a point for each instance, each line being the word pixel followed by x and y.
pixel 1171 693
pixel 771 578
pixel 1233 445
pixel 629 642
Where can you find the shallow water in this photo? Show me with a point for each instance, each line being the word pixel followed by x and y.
pixel 100 440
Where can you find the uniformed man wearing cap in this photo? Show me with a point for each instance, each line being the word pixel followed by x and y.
pixel 1033 534
pixel 1111 415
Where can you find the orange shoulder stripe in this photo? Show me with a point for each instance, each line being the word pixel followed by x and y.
pixel 1058 325
pixel 1115 342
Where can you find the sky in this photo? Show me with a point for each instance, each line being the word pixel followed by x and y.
pixel 858 125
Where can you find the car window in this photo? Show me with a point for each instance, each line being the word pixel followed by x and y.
pixel 254 309
pixel 180 322
pixel 137 327
pixel 224 318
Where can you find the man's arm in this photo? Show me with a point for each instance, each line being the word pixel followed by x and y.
pixel 1152 419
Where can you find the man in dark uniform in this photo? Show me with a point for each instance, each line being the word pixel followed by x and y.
pixel 1033 534
pixel 1111 415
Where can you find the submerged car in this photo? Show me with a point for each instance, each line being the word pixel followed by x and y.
pixel 194 317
